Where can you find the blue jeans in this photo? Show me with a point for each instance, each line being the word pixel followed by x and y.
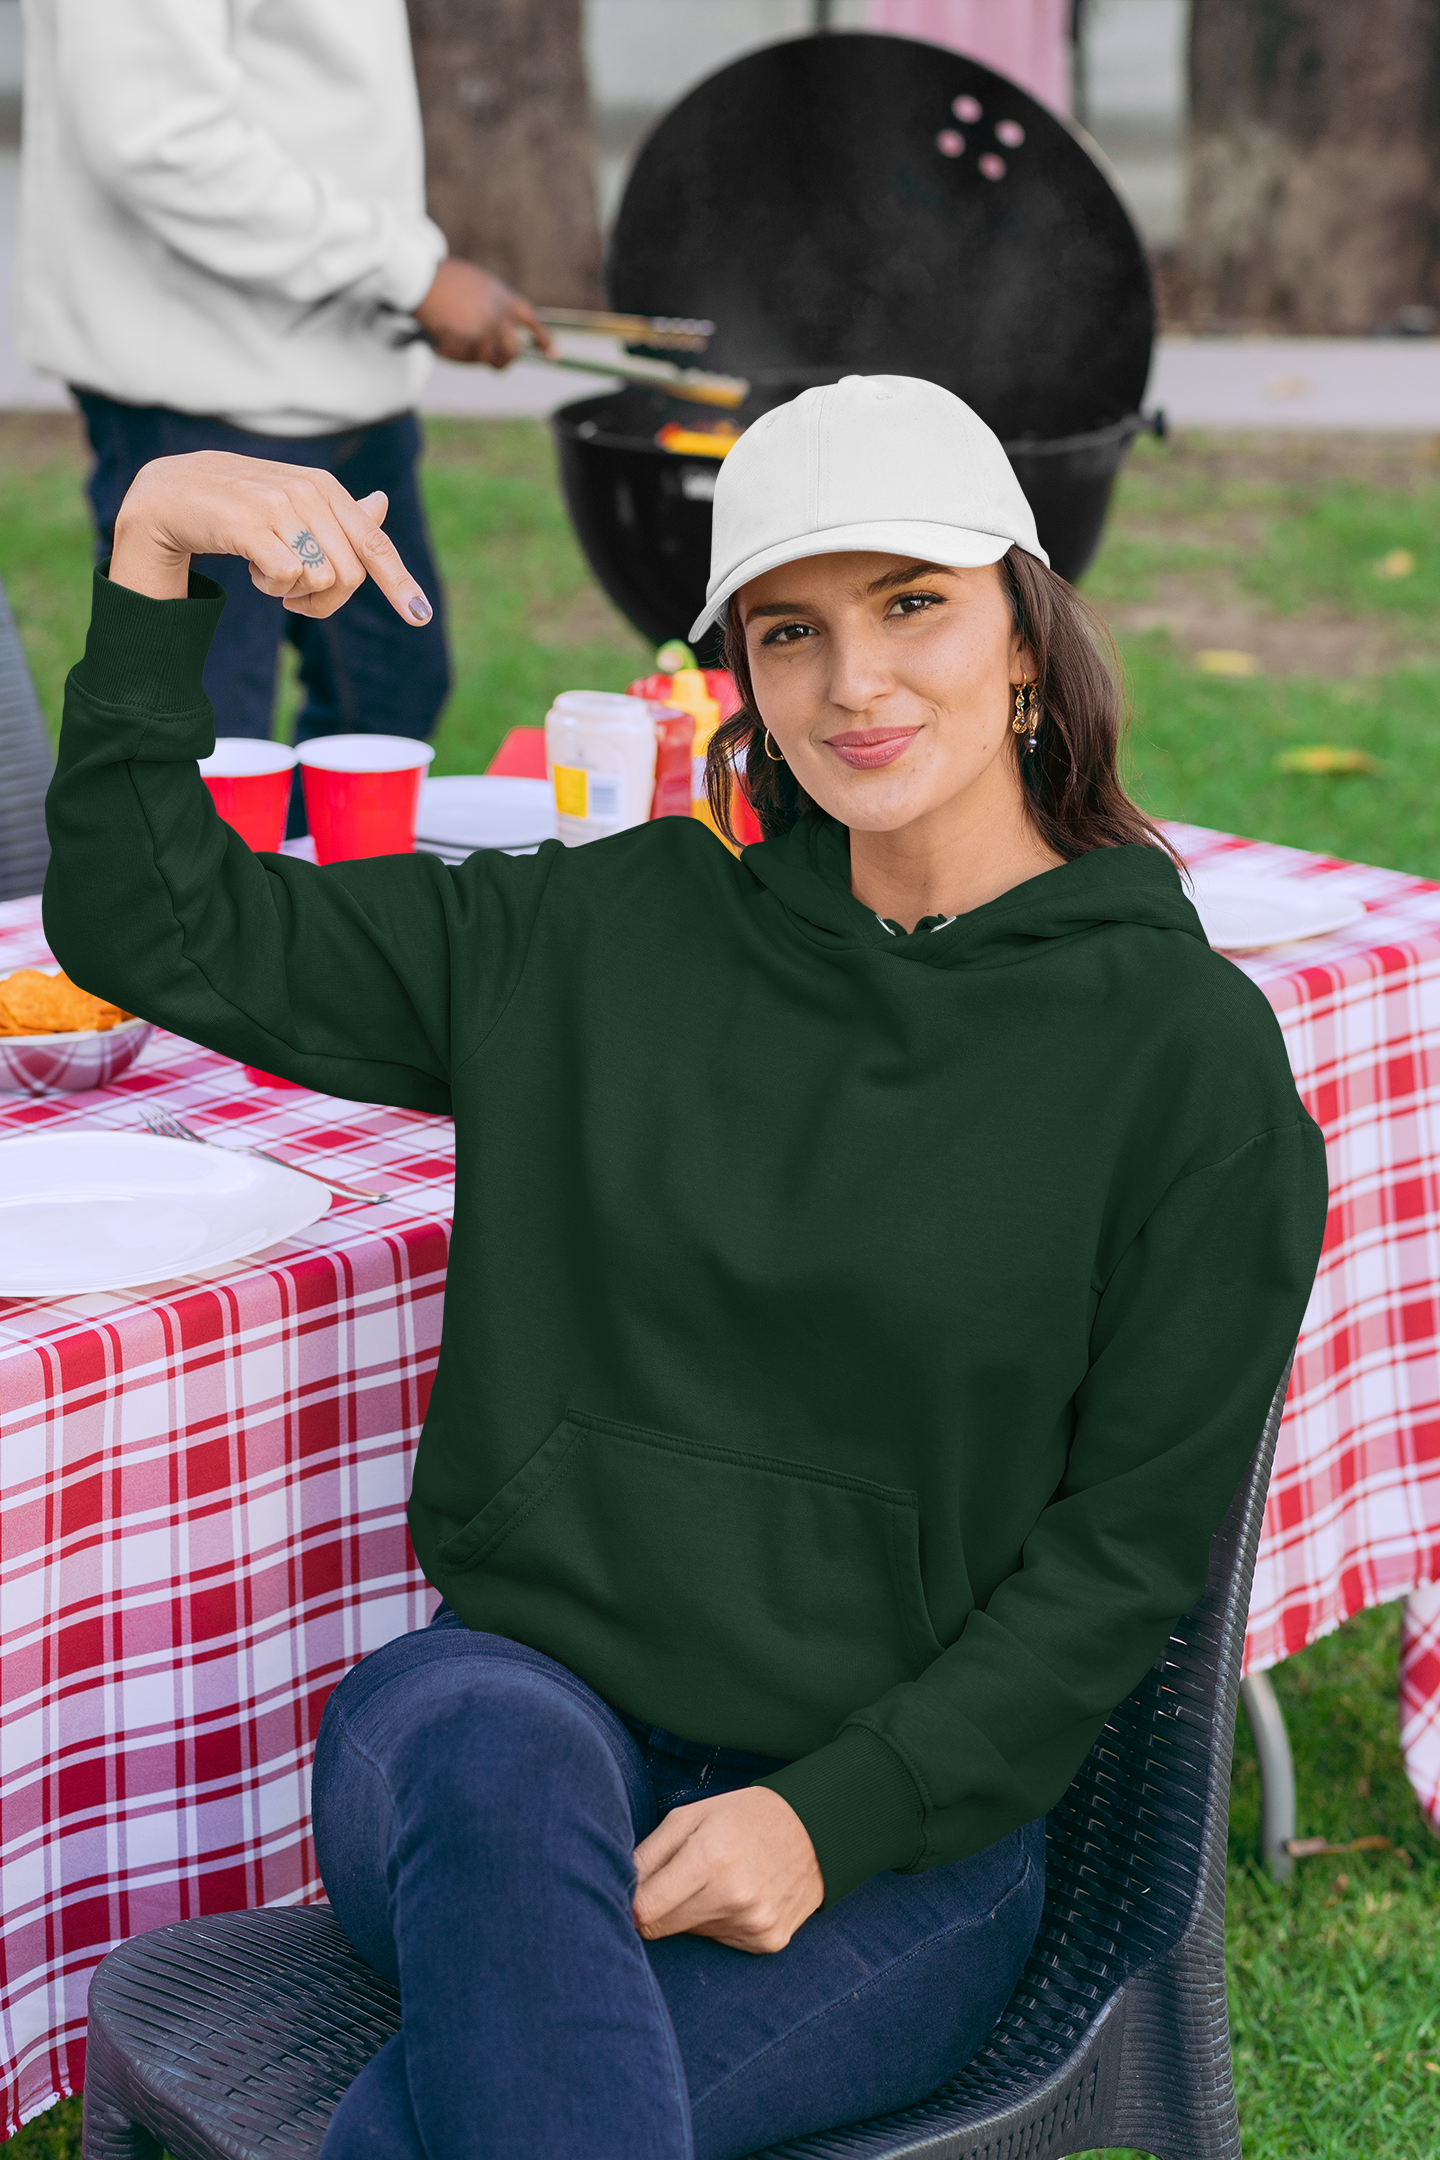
pixel 364 672
pixel 476 1807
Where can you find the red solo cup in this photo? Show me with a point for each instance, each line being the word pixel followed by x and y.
pixel 362 793
pixel 250 782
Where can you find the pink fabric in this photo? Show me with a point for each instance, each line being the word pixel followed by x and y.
pixel 202 1509
pixel 1028 40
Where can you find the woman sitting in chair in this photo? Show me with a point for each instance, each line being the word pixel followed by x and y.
pixel 873 1260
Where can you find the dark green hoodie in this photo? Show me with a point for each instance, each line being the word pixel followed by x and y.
pixel 852 1339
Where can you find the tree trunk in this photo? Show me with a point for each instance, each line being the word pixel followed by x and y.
pixel 508 145
pixel 1314 158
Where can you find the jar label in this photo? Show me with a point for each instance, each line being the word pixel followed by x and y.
pixel 571 791
pixel 606 791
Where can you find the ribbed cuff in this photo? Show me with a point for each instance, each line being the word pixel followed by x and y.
pixel 417 254
pixel 860 1806
pixel 149 654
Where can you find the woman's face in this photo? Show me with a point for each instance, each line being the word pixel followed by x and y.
pixel 887 684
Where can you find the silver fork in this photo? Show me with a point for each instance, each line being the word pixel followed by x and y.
pixel 166 1126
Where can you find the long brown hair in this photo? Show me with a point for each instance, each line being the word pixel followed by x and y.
pixel 1073 791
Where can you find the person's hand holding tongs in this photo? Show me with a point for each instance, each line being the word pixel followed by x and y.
pixel 473 315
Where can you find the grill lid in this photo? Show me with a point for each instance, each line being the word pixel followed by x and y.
pixel 857 203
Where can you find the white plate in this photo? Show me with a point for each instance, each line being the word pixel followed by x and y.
pixel 107 1210
pixel 1241 912
pixel 465 811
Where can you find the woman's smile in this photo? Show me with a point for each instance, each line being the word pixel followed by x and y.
pixel 867 748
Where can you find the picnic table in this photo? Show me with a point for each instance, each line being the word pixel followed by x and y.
pixel 202 1483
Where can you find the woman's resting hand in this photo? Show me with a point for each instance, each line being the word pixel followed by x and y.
pixel 740 1868
pixel 307 541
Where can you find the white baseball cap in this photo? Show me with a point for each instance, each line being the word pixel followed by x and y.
pixel 884 463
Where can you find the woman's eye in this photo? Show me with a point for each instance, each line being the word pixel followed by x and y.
pixel 789 633
pixel 911 603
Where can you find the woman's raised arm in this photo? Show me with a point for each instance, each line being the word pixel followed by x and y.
pixel 344 978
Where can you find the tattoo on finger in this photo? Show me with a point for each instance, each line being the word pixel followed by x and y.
pixel 308 548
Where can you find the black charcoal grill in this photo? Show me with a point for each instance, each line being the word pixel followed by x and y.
pixel 863 204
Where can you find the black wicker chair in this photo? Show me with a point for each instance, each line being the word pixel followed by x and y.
pixel 236 2036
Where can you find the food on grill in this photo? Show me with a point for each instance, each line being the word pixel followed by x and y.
pixel 698 442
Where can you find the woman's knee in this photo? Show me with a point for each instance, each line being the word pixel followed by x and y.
pixel 470 1739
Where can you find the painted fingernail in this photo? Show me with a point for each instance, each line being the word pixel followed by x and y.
pixel 420 607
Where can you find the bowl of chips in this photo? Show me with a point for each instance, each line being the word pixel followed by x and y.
pixel 55 1035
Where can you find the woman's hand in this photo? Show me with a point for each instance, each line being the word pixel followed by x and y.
pixel 740 1868
pixel 307 540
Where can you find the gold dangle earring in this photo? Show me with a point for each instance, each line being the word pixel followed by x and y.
pixel 1027 713
pixel 776 757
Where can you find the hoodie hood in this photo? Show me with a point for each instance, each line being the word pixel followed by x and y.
pixel 808 870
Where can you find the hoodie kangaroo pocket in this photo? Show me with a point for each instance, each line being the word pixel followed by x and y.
pixel 729 1597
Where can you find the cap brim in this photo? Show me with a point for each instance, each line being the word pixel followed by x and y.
pixel 953 545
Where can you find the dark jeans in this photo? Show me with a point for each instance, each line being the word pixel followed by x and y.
pixel 364 671
pixel 476 1807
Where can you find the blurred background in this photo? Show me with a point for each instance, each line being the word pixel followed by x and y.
pixel 1270 570
pixel 1126 79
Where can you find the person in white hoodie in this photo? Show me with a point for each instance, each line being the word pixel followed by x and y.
pixel 224 246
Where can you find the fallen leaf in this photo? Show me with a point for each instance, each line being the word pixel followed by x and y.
pixel 1325 758
pixel 1227 663
pixel 1397 564
pixel 1289 386
pixel 1308 1848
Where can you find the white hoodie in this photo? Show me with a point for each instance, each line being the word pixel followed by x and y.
pixel 223 206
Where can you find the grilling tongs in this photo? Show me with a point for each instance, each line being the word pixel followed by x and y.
pixel 671 333
pixel 667 333
pixel 693 386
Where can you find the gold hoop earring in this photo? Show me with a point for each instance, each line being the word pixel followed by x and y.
pixel 776 757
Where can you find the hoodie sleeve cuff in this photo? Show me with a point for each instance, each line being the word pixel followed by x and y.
pixel 147 656
pixel 410 271
pixel 860 1805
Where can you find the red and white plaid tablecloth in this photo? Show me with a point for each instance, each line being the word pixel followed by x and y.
pixel 203 1484
pixel 202 1525
pixel 1354 1512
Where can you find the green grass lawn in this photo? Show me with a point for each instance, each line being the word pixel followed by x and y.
pixel 1335 1979
pixel 1287 563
